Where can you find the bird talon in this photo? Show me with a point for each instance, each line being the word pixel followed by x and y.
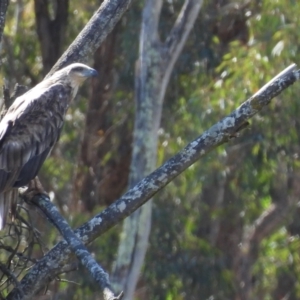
pixel 34 188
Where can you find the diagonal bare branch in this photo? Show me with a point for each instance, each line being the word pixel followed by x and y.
pixel 218 134
pixel 96 30
pixel 152 66
pixel 42 201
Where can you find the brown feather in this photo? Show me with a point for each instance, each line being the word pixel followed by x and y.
pixel 31 127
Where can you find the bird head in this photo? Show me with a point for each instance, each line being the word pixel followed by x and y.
pixel 78 73
pixel 74 74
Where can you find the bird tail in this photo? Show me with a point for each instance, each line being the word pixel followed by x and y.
pixel 8 200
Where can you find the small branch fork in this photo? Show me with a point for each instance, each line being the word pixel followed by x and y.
pixel 218 134
pixel 35 195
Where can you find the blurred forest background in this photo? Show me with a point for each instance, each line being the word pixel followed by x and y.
pixel 228 227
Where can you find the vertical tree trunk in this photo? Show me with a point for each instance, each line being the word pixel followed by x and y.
pixel 154 67
pixel 136 228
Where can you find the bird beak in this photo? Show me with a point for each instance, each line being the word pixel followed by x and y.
pixel 92 73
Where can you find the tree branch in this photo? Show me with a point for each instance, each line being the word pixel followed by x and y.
pixel 151 69
pixel 268 222
pixel 182 27
pixel 263 227
pixel 43 202
pixel 174 44
pixel 285 194
pixel 95 31
pixel 220 133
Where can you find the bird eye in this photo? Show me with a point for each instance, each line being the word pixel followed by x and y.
pixel 78 69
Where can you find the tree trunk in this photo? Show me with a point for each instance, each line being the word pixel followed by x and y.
pixel 154 67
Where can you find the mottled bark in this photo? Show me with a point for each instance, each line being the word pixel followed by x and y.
pixel 228 128
pixel 154 67
pixel 93 34
pixel 136 228
pixel 51 31
pixel 42 201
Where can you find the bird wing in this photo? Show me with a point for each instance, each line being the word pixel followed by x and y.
pixel 29 130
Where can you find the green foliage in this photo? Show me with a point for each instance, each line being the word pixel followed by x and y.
pixel 249 165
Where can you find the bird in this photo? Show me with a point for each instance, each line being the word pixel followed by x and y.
pixel 31 127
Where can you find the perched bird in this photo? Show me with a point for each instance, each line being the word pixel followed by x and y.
pixel 31 127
